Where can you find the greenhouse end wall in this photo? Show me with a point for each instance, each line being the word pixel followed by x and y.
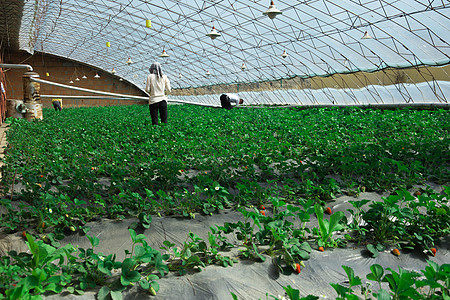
pixel 62 71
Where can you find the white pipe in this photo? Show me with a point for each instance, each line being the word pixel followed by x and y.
pixel 16 66
pixel 87 90
pixel 193 103
pixel 126 97
pixel 86 97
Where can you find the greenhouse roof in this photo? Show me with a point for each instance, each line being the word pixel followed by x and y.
pixel 317 37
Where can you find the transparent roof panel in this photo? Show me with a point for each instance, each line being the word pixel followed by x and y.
pixel 320 37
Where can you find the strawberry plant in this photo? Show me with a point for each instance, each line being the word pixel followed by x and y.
pixel 327 227
pixel 401 285
pixel 401 218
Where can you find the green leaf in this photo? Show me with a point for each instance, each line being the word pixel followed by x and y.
pixel 116 295
pixel 124 280
pixel 383 295
pixel 377 273
pixel 258 254
pixel 103 269
pixel 319 214
pixel 310 297
pixel 303 254
pixel 168 245
pixel 140 238
pixel 155 285
pixel 139 251
pixel 144 284
pixel 342 291
pixel 94 240
pixel 306 246
pixel 133 235
pixel 291 292
pixel 103 293
pixel 133 276
pixel 334 221
pixel 354 281
pixel 127 264
pixel 372 250
pixel 152 277
pixel 30 282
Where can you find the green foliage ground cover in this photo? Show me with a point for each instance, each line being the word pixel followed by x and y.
pixel 111 161
pixel 83 164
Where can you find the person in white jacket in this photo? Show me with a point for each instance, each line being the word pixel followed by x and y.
pixel 227 99
pixel 157 85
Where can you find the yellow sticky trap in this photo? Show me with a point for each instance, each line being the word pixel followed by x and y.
pixel 148 23
pixel 47 74
pixel 108 44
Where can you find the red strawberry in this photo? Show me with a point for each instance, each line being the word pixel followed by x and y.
pixel 297 268
pixel 263 213
pixel 262 207
pixel 321 249
pixel 396 252
pixel 433 250
pixel 328 211
pixel 24 234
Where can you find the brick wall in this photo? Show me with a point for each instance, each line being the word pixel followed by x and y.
pixel 62 70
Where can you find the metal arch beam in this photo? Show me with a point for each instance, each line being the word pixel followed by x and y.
pixel 260 66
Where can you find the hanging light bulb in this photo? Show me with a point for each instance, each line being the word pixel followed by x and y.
pixel 164 54
pixel 207 73
pixel 243 67
pixel 284 55
pixel 129 61
pixel 71 82
pixel 77 79
pixel 213 34
pixel 272 12
pixel 179 75
pixel 120 79
pixel 96 75
pixel 84 77
pixel 366 36
pixel 113 71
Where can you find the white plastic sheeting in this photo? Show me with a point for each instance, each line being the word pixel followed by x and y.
pixel 248 279
pixel 321 37
pixel 373 94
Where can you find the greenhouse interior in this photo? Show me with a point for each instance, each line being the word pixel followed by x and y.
pixel 224 149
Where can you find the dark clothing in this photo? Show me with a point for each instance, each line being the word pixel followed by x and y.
pixel 57 105
pixel 225 101
pixel 160 106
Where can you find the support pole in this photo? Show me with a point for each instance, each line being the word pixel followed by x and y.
pixel 31 96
